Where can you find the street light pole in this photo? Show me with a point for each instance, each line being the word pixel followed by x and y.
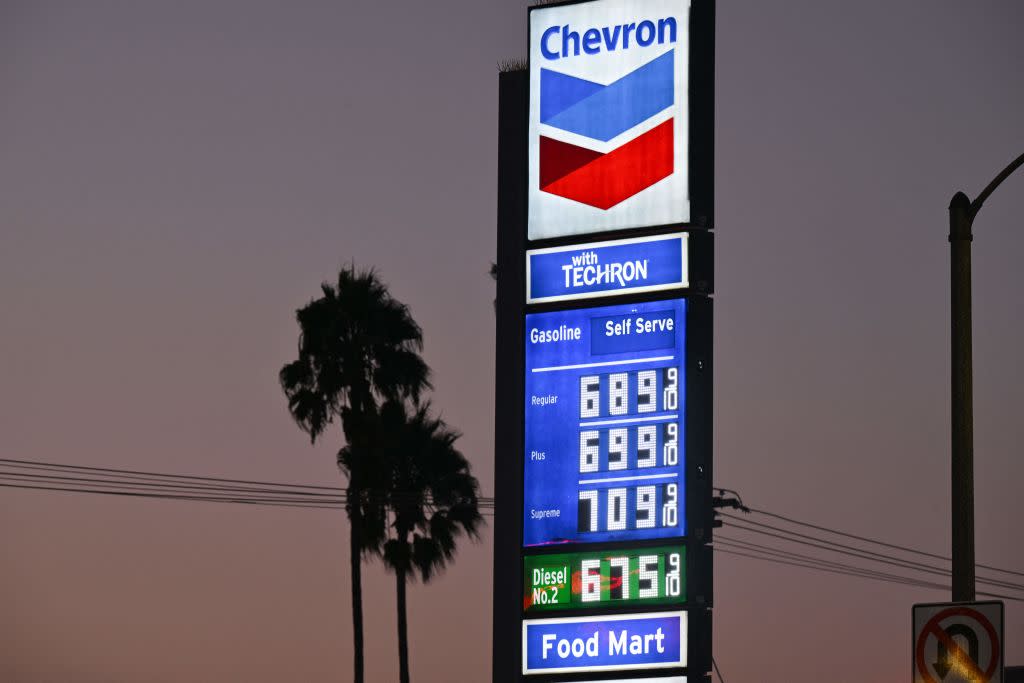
pixel 962 212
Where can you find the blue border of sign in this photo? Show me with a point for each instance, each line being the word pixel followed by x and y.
pixel 608 268
pixel 599 629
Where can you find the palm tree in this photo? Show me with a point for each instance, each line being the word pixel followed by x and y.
pixel 358 347
pixel 431 500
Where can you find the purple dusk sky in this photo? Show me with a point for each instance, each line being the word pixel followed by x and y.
pixel 176 178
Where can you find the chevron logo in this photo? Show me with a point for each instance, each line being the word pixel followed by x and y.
pixel 603 113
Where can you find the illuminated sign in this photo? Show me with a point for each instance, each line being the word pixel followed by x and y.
pixel 604 416
pixel 609 116
pixel 653 576
pixel 605 643
pixel 645 264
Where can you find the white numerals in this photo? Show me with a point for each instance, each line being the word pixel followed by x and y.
pixel 618 393
pixel 638 392
pixel 618 449
pixel 649 506
pixel 646 500
pixel 590 442
pixel 590 575
pixel 647 391
pixel 672 582
pixel 671 444
pixel 588 511
pixel 648 582
pixel 623 564
pixel 670 394
pixel 646 446
pixel 590 396
pixel 670 508
pixel 616 509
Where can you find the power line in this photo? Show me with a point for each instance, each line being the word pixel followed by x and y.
pixel 715 664
pixel 763 549
pixel 167 496
pixel 184 487
pixel 857 552
pixel 905 580
pixel 817 562
pixel 157 480
pixel 874 541
pixel 51 476
pixel 243 500
pixel 36 463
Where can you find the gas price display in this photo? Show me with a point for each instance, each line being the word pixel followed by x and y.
pixel 653 576
pixel 604 456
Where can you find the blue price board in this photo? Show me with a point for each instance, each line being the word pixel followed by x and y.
pixel 630 266
pixel 608 643
pixel 604 416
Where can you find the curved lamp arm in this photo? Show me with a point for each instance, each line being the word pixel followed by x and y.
pixel 976 204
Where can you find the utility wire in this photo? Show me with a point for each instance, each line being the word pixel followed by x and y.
pixel 817 562
pixel 715 664
pixel 858 552
pixel 905 580
pixel 181 482
pixel 244 500
pixel 166 496
pixel 768 550
pixel 51 476
pixel 872 540
pixel 230 494
pixel 15 463
pixel 184 487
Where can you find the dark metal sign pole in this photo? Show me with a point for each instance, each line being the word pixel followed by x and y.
pixel 962 212
pixel 962 403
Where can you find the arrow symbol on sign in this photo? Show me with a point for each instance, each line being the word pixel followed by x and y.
pixel 946 660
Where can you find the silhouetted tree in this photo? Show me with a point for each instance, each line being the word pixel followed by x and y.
pixel 358 348
pixel 432 499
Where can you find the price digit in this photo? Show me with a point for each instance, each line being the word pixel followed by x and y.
pixel 671 444
pixel 670 395
pixel 647 442
pixel 618 584
pixel 590 571
pixel 647 391
pixel 645 504
pixel 618 393
pixel 618 447
pixel 616 509
pixel 648 584
pixel 588 511
pixel 672 582
pixel 589 451
pixel 590 396
pixel 670 508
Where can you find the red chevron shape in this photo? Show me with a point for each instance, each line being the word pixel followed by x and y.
pixel 558 159
pixel 604 180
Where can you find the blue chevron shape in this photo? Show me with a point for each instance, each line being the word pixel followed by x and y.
pixel 560 91
pixel 602 112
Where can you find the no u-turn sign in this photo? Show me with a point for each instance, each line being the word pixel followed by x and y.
pixel 958 642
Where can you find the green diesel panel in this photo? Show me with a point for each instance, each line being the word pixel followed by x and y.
pixel 648 576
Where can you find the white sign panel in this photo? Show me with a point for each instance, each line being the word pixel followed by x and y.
pixel 609 116
pixel 959 642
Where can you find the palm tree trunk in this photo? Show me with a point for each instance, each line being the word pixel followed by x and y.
pixel 355 559
pixel 403 634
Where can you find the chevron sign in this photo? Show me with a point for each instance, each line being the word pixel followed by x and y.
pixel 608 116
